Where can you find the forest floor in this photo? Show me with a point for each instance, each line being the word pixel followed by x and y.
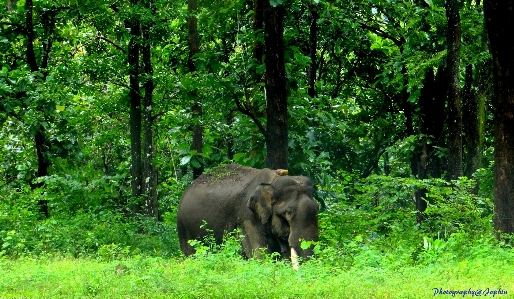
pixel 218 276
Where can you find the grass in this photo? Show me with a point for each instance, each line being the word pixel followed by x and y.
pixel 219 276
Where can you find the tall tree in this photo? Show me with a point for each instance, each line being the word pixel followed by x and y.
pixel 454 123
pixel 499 20
pixel 431 102
pixel 149 172
pixel 194 48
pixel 313 45
pixel 276 94
pixel 477 86
pixel 258 26
pixel 40 139
pixel 134 27
pixel 473 107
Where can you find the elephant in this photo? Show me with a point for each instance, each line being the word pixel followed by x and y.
pixel 273 210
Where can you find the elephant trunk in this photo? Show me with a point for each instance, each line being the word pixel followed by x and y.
pixel 303 234
pixel 295 247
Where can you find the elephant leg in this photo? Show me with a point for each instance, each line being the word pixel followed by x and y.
pixel 254 242
pixel 184 237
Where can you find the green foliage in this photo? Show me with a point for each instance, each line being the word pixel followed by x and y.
pixel 68 195
pixel 378 212
pixel 230 247
pixel 106 235
pixel 485 179
pixel 453 207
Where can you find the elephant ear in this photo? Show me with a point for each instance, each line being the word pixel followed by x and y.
pixel 260 202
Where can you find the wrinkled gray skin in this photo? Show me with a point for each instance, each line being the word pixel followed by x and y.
pixel 274 212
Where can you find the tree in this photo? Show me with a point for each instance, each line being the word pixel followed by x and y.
pixel 473 106
pixel 313 47
pixel 499 21
pixel 40 136
pixel 454 120
pixel 477 86
pixel 28 63
pixel 134 27
pixel 276 94
pixel 149 172
pixel 258 25
pixel 194 48
pixel 365 90
pixel 431 102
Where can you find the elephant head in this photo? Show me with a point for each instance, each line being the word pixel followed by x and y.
pixel 286 208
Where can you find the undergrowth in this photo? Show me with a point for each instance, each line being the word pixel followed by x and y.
pixel 371 246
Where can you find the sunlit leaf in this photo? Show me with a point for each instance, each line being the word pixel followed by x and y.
pixel 185 160
pixel 276 3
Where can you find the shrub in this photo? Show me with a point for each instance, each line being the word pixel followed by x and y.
pixel 380 214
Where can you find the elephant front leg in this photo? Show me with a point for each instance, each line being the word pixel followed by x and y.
pixel 254 242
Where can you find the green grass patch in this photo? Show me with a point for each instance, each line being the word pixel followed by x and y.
pixel 220 276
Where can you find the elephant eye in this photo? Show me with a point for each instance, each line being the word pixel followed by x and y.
pixel 288 214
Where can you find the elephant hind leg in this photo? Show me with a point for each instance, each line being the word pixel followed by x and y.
pixel 184 237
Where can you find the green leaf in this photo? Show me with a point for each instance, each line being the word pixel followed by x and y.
pixel 414 96
pixel 195 163
pixel 239 157
pixel 276 3
pixel 306 244
pixel 59 108
pixel 185 160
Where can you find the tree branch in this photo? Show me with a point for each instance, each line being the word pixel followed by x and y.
pixel 397 41
pixel 112 43
pixel 244 110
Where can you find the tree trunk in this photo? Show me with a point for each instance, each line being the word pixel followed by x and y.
pixel 40 140
pixel 29 29
pixel 258 25
pixel 135 110
pixel 230 138
pixel 313 43
pixel 409 123
pixel 43 165
pixel 434 121
pixel 276 96
pixel 424 146
pixel 473 125
pixel 454 114
pixel 431 103
pixel 194 46
pixel 151 205
pixel 499 20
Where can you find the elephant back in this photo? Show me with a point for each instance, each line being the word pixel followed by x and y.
pixel 225 174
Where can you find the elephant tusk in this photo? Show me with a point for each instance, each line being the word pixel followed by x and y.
pixel 294 259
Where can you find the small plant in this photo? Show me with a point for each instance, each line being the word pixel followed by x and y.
pixel 231 245
pixel 112 252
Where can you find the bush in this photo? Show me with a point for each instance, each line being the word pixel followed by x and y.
pixel 380 214
pixel 88 234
